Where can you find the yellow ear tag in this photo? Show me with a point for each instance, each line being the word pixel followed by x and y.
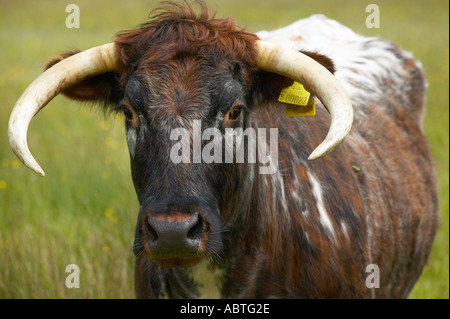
pixel 296 99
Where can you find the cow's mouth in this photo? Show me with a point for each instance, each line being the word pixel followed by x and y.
pixel 178 261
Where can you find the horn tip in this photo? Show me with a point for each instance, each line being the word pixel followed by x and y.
pixel 315 156
pixel 41 173
pixel 37 169
pixel 31 163
pixel 322 150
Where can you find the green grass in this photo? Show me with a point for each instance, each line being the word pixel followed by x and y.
pixel 84 210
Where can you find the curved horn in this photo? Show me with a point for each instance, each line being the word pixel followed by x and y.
pixel 59 77
pixel 301 68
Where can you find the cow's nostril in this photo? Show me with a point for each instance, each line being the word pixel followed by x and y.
pixel 152 234
pixel 195 233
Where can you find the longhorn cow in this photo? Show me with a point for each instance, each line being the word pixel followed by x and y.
pixel 306 229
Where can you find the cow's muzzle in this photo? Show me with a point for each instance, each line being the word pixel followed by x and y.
pixel 174 237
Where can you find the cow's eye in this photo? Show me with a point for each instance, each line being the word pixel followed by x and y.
pixel 232 116
pixel 234 113
pixel 128 114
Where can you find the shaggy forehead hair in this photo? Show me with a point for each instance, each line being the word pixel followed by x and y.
pixel 176 30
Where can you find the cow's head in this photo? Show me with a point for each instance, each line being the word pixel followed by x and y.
pixel 177 71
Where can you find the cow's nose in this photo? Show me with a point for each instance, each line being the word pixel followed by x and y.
pixel 180 237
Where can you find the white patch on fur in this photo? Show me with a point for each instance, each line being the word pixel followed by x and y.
pixel 283 195
pixel 307 238
pixel 344 229
pixel 298 203
pixel 317 192
pixel 131 140
pixel 219 119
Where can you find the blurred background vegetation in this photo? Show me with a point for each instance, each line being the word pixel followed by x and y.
pixel 84 210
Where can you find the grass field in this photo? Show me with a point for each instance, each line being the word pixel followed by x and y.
pixel 84 210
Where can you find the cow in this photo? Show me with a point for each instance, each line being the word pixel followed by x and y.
pixel 357 223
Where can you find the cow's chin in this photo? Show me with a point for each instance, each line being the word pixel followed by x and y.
pixel 178 261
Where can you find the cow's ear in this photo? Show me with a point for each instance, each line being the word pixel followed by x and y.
pixel 322 59
pixel 103 88
pixel 271 84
